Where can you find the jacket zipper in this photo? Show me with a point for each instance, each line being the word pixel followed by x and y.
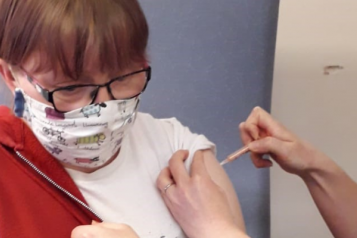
pixel 57 186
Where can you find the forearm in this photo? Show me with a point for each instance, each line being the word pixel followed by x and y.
pixel 335 195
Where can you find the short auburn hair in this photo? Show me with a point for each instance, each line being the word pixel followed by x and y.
pixel 66 33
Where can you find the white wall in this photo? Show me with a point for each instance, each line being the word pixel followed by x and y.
pixel 321 108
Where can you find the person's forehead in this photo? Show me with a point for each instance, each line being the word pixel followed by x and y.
pixel 91 71
pixel 38 64
pixel 42 62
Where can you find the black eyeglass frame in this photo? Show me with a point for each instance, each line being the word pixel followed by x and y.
pixel 48 95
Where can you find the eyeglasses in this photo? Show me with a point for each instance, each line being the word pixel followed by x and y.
pixel 73 97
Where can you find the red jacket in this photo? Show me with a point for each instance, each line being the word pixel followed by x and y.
pixel 30 205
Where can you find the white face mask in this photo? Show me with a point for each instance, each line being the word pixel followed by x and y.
pixel 86 137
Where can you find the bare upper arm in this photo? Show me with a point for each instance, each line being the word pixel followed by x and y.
pixel 220 177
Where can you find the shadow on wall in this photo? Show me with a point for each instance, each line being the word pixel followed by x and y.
pixel 5 94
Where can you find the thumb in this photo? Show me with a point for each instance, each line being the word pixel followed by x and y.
pixel 268 145
pixel 94 231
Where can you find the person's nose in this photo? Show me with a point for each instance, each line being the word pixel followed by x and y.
pixel 103 95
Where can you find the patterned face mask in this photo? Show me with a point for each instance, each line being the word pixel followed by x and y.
pixel 86 137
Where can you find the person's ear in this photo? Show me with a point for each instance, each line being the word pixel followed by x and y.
pixel 7 75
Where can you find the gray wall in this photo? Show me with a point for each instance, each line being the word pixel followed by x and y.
pixel 212 63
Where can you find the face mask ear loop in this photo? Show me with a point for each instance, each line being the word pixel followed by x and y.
pixel 19 100
pixel 19 103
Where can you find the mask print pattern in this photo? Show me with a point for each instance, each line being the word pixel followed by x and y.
pixel 86 137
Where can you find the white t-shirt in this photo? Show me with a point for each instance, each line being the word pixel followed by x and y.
pixel 125 191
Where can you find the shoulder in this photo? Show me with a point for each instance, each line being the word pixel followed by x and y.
pixel 170 130
pixel 169 127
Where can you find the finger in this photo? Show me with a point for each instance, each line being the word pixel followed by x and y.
pixel 262 119
pixel 259 162
pixel 244 134
pixel 164 179
pixel 198 166
pixel 253 130
pixel 90 231
pixel 167 199
pixel 269 145
pixel 114 226
pixel 79 231
pixel 177 167
pixel 108 230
